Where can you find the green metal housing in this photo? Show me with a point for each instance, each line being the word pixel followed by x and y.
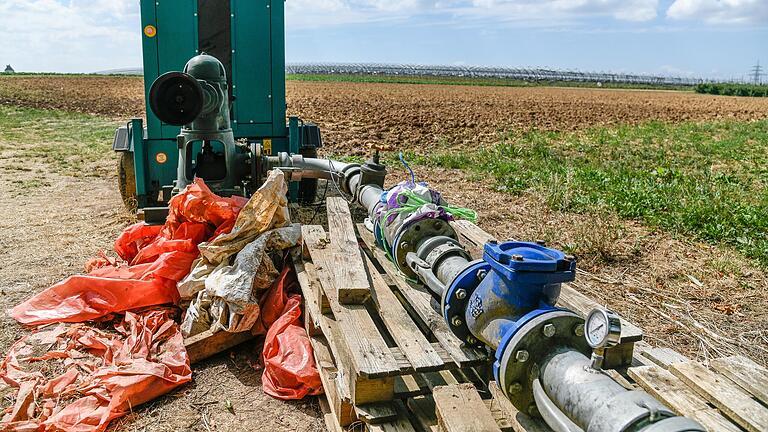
pixel 248 36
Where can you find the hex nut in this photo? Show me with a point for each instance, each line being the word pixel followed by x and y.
pixel 579 330
pixel 533 410
pixel 461 294
pixel 457 322
pixel 515 388
pixel 550 330
pixel 522 356
pixel 518 258
pixel 481 274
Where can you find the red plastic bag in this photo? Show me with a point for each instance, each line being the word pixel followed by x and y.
pixel 157 257
pixel 105 373
pixel 289 364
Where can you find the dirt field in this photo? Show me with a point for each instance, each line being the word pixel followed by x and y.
pixel 410 117
pixel 702 300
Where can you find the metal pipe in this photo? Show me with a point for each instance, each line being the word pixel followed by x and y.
pixel 498 299
pixel 447 270
pixel 349 176
pixel 310 165
pixel 597 403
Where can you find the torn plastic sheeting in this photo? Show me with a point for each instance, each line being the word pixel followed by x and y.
pixel 232 292
pixel 266 210
pixel 102 375
pixel 236 269
pixel 107 290
pixel 289 364
pixel 158 258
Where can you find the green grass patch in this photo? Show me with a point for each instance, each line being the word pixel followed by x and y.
pixel 493 82
pixel 68 142
pixel 750 90
pixel 706 180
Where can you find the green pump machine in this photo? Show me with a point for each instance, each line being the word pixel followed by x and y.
pixel 229 101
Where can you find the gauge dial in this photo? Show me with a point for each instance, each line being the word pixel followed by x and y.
pixel 602 329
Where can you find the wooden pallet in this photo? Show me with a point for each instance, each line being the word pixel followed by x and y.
pixel 389 362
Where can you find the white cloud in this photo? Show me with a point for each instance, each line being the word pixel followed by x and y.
pixel 319 13
pixel 720 11
pixel 74 35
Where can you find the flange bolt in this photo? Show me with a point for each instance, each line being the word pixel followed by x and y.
pixel 535 370
pixel 550 330
pixel 579 330
pixel 461 294
pixel 515 388
pixel 522 356
pixel 457 322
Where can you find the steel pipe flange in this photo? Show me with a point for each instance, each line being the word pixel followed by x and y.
pixel 527 346
pixel 454 303
pixel 410 237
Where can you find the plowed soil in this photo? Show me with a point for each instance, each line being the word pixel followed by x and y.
pixel 410 117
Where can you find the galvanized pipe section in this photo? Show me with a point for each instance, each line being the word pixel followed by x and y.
pixel 447 270
pixel 347 176
pixel 597 403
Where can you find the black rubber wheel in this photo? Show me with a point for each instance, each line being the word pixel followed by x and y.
pixel 308 187
pixel 126 181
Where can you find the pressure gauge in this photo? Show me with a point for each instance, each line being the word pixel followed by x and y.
pixel 602 329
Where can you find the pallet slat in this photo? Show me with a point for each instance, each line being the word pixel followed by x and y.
pixel 349 275
pixel 452 405
pixel 423 408
pixel 376 413
pixel 746 373
pixel 647 355
pixel 416 348
pixel 340 408
pixel 370 355
pixel 421 303
pixel 207 344
pixel 724 394
pixel 519 421
pixel 673 392
pixel 401 424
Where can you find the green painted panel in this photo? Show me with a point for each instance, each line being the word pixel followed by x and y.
pixel 278 68
pixel 252 61
pixel 162 174
pixel 176 39
pixel 151 69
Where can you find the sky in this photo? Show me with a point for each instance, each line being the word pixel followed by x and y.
pixel 701 38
